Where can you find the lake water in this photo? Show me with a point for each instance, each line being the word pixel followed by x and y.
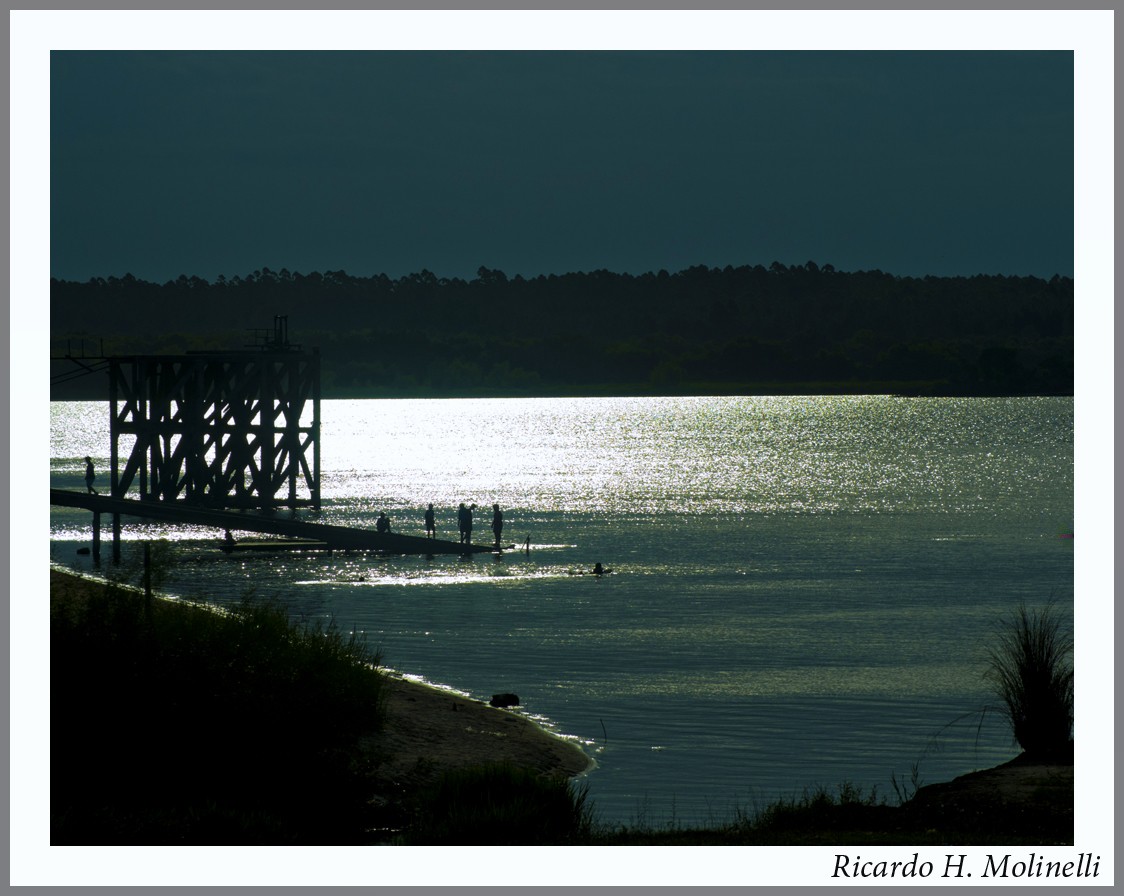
pixel 803 589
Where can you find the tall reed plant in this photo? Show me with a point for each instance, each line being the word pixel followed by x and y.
pixel 1031 669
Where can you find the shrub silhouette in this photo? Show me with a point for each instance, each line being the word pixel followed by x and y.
pixel 1033 675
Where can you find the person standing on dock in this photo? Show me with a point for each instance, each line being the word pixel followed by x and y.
pixel 464 520
pixel 430 523
pixel 497 523
pixel 90 476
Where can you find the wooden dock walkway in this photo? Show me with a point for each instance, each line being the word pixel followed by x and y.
pixel 333 537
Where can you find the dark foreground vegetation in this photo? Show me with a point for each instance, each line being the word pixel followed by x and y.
pixel 733 330
pixel 173 724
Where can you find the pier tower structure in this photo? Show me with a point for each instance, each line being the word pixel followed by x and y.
pixel 227 429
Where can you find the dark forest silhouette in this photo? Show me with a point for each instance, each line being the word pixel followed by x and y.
pixel 732 330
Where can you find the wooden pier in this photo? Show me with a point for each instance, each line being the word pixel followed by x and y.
pixel 331 537
pixel 222 439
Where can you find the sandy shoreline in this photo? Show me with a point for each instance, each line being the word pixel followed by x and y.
pixel 429 730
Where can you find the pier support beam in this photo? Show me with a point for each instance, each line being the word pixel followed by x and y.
pixel 97 539
pixel 116 538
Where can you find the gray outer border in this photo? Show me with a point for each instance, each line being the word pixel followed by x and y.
pixel 633 5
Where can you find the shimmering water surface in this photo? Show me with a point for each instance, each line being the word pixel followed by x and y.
pixel 803 589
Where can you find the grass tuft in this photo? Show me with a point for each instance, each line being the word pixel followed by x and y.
pixel 1030 668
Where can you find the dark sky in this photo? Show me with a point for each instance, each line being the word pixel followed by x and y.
pixel 209 163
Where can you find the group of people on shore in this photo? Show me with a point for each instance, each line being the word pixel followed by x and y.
pixel 464 522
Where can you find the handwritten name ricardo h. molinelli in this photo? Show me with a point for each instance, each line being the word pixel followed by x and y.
pixel 1007 865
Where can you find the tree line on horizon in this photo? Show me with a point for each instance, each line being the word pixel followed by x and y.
pixel 702 330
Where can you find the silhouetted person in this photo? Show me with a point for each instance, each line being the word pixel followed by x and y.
pixel 468 524
pixel 90 476
pixel 382 524
pixel 497 522
pixel 430 523
pixel 228 539
pixel 599 570
pixel 462 520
